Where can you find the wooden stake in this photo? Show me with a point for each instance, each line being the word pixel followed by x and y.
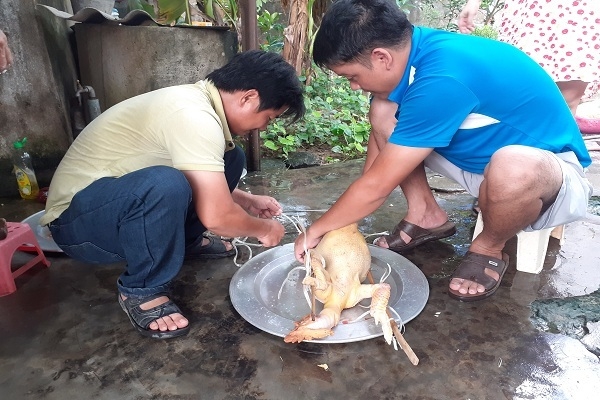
pixel 401 341
pixel 312 304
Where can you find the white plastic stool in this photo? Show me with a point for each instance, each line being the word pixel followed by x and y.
pixel 531 246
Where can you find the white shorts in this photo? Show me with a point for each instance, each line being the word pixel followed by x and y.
pixel 570 204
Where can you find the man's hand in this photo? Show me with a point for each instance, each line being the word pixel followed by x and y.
pixel 274 235
pixel 6 57
pixel 263 206
pixel 466 16
pixel 304 242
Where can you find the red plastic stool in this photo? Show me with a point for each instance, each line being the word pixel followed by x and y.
pixel 20 237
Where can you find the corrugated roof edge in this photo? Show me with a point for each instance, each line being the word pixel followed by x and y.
pixel 133 18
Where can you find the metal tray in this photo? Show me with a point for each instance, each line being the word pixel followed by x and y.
pixel 42 233
pixel 255 286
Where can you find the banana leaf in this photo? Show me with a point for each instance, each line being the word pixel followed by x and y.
pixel 166 12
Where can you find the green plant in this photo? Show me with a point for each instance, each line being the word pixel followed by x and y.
pixel 223 11
pixel 168 12
pixel 336 118
pixel 486 31
pixel 490 8
pixel 177 12
pixel 405 5
pixel 441 14
pixel 271 31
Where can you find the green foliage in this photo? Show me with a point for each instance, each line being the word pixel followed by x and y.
pixel 271 31
pixel 141 5
pixel 405 5
pixel 168 12
pixel 490 8
pixel 486 31
pixel 228 10
pixel 336 118
pixel 441 14
pixel 260 4
pixel 177 12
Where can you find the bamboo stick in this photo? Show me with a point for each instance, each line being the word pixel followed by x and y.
pixel 312 304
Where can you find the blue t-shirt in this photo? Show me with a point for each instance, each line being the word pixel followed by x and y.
pixel 471 96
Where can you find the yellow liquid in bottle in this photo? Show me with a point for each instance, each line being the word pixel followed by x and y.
pixel 28 186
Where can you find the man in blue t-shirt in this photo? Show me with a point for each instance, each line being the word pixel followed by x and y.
pixel 478 111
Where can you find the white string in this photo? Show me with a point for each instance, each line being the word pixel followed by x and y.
pixel 237 242
pixel 287 279
pixel 398 320
pixel 242 242
pixel 307 265
pixel 302 211
pixel 386 274
pixel 299 225
pixel 377 233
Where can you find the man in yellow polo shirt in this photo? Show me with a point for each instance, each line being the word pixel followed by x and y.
pixel 145 180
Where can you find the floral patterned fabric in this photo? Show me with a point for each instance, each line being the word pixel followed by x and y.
pixel 563 36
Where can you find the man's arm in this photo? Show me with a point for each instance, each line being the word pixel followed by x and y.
pixel 466 16
pixel 6 57
pixel 383 121
pixel 220 214
pixel 393 164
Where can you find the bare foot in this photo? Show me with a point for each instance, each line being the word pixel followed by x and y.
pixel 464 286
pixel 381 242
pixel 170 322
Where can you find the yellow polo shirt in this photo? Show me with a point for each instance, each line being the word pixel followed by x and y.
pixel 180 126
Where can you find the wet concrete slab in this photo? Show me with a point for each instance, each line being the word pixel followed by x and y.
pixel 63 334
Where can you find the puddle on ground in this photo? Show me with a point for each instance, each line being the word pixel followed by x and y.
pixel 572 316
pixel 594 205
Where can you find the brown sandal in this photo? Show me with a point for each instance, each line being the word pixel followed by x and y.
pixel 417 235
pixel 472 268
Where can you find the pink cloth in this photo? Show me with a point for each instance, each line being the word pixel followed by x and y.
pixel 563 36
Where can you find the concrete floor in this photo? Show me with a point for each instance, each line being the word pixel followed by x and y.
pixel 64 336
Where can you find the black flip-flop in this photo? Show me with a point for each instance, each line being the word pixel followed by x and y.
pixel 213 250
pixel 472 268
pixel 141 319
pixel 418 235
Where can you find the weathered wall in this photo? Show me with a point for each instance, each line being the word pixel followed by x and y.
pixel 121 61
pixel 33 92
pixel 117 61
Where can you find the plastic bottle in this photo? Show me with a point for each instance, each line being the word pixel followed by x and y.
pixel 28 185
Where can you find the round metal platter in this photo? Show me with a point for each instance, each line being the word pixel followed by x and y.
pixel 257 294
pixel 42 233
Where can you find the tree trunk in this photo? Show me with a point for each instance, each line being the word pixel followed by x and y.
pixel 296 35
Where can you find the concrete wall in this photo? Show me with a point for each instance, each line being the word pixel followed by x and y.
pixel 121 61
pixel 117 61
pixel 33 92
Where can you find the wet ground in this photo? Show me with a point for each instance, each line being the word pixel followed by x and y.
pixel 63 334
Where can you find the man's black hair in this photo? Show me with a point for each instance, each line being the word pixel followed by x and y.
pixel 269 74
pixel 352 28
